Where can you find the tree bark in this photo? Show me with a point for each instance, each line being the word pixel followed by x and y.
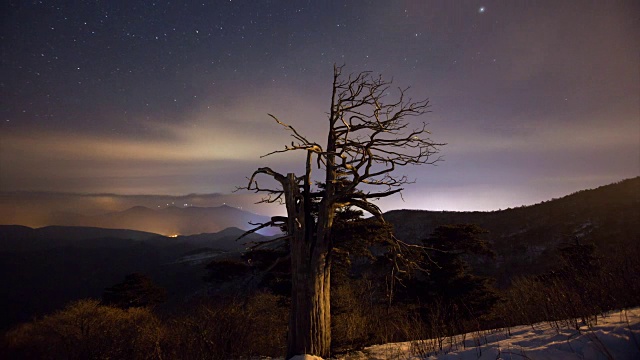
pixel 310 312
pixel 309 318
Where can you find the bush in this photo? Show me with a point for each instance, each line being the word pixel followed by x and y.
pixel 584 286
pixel 87 330
pixel 230 328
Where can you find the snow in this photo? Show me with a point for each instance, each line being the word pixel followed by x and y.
pixel 615 336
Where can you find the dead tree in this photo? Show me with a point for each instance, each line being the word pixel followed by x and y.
pixel 369 136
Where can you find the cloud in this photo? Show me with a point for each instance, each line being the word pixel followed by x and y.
pixel 564 137
pixel 213 149
pixel 191 143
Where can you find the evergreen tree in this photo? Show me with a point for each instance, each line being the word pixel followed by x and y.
pixel 449 280
pixel 137 290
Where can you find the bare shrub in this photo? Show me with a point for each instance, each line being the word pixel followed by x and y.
pixel 352 308
pixel 230 328
pixel 87 330
pixel 571 297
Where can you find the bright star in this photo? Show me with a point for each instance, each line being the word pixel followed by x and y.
pixel 481 9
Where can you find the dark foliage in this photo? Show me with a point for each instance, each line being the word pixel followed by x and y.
pixel 357 241
pixel 226 270
pixel 137 290
pixel 450 285
pixel 585 283
pixel 527 239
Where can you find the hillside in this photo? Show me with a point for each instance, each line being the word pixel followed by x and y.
pixel 23 238
pixel 526 238
pixel 62 263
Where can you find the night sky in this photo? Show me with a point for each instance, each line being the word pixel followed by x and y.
pixel 536 99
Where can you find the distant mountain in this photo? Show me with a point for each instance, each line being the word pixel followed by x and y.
pixel 226 239
pixel 169 221
pixel 527 238
pixel 42 269
pixel 16 238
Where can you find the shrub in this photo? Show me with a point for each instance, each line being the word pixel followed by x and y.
pixel 87 330
pixel 226 328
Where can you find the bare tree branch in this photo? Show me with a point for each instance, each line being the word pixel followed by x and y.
pixel 370 136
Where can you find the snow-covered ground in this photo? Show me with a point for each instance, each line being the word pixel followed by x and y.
pixel 616 336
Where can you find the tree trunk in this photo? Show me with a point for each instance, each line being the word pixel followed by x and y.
pixel 310 312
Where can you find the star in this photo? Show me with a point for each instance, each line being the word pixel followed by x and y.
pixel 194 64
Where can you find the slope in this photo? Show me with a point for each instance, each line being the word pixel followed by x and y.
pixel 526 238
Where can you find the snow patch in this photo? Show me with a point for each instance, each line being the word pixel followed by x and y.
pixel 615 336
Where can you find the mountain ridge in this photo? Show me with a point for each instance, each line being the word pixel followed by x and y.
pixel 527 238
pixel 169 221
